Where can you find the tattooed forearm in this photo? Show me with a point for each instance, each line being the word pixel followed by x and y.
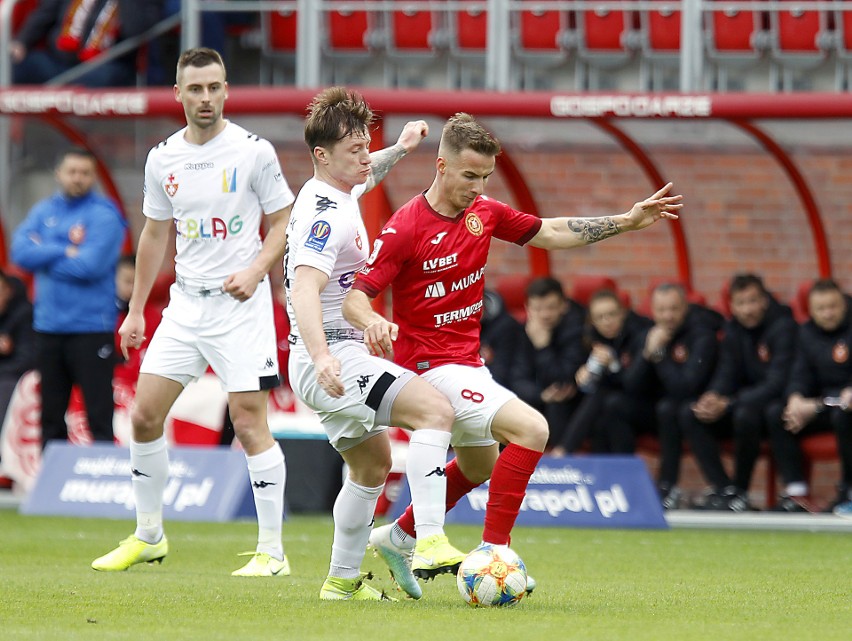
pixel 591 230
pixel 382 161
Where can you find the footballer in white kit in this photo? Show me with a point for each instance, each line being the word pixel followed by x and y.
pixel 216 194
pixel 326 232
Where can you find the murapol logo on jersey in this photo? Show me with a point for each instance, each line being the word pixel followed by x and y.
pixel 435 290
pixel 229 181
pixel 320 232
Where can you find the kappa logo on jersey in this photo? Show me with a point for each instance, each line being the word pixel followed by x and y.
pixel 324 204
pixel 435 290
pixel 208 228
pixel 473 224
pixel 440 264
pixel 363 381
pixel 320 232
pixel 458 314
pixel 438 238
pixel 468 280
pixel 171 186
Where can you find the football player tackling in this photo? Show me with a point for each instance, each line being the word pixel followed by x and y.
pixel 434 250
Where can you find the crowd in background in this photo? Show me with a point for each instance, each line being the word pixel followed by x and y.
pixel 685 378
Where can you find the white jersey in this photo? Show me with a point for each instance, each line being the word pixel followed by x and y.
pixel 326 232
pixel 215 193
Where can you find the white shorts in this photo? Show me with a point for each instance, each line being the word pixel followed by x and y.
pixel 476 398
pixel 236 339
pixel 371 385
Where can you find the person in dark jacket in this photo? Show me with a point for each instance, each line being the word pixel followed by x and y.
pixel 607 348
pixel 71 242
pixel 543 372
pixel 17 341
pixel 61 34
pixel 755 357
pixel 818 396
pixel 673 367
pixel 500 338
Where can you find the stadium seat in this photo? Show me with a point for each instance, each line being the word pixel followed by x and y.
pixel 513 291
pixel 660 46
pixel 352 36
pixel 735 39
pixel 584 286
pixel 799 42
pixel 20 13
pixel 799 302
pixel 414 36
pixel 541 41
pixel 468 31
pixel 843 45
pixel 605 39
pixel 278 47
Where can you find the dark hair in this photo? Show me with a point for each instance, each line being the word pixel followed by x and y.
pixel 545 286
pixel 463 132
pixel 663 288
pixel 334 114
pixel 199 57
pixel 604 294
pixel 741 282
pixel 824 285
pixel 77 152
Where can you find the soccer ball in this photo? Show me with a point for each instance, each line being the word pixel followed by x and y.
pixel 492 575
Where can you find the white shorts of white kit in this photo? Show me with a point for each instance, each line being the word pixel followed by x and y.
pixel 476 398
pixel 237 339
pixel 371 384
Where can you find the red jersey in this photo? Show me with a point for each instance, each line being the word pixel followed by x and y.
pixel 436 265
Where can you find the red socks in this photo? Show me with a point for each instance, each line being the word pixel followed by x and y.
pixel 508 486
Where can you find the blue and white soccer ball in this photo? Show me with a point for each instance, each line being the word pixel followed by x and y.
pixel 492 575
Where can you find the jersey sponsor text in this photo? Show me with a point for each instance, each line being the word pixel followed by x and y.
pixel 458 314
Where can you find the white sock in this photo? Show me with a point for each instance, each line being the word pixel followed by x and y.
pixel 268 474
pixel 149 465
pixel 796 489
pixel 425 462
pixel 353 520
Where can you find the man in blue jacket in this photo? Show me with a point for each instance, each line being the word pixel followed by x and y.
pixel 71 242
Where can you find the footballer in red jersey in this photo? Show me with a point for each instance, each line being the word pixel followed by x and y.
pixel 436 265
pixel 434 251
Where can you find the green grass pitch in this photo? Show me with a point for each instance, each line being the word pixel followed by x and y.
pixel 682 585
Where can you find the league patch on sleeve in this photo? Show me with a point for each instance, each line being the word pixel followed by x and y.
pixel 320 232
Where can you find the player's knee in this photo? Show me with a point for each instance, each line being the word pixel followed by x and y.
pixel 147 425
pixel 533 432
pixel 372 475
pixel 439 413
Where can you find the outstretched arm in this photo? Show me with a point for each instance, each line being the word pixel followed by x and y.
pixel 382 160
pixel 565 233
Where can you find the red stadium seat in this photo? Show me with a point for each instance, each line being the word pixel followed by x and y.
pixel 513 291
pixel 541 40
pixel 735 39
pixel 20 13
pixel 660 44
pixel 348 29
pixel 605 39
pixel 800 40
pixel 468 34
pixel 585 286
pixel 278 47
pixel 414 37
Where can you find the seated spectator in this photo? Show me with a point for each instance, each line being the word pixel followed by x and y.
pixel 61 34
pixel 499 338
pixel 608 346
pixel 822 368
pixel 543 373
pixel 673 368
pixel 17 338
pixel 755 357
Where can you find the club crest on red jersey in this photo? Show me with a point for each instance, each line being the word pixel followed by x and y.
pixel 680 354
pixel 473 224
pixel 171 186
pixel 840 352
